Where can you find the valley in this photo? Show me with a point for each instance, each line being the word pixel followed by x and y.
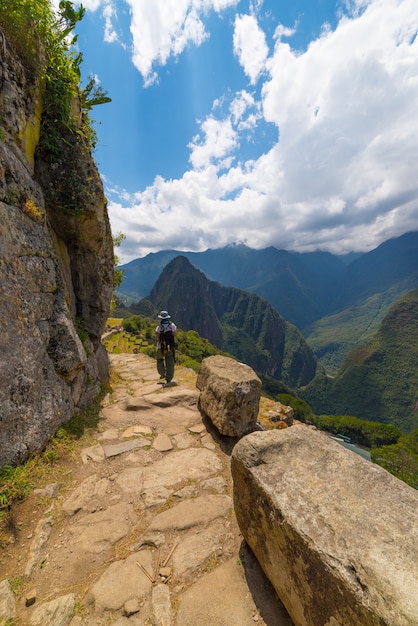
pixel 337 302
pixel 358 354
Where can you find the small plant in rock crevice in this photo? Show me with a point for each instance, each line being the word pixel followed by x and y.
pixel 32 210
pixel 81 331
pixel 17 584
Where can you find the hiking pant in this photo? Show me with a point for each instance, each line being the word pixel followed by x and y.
pixel 165 365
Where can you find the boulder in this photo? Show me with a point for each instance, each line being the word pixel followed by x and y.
pixel 281 413
pixel 334 533
pixel 229 395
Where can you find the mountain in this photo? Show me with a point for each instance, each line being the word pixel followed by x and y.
pixel 139 275
pixel 297 285
pixel 393 264
pixel 238 322
pixel 378 381
pixel 334 336
pixel 338 302
pixel 361 297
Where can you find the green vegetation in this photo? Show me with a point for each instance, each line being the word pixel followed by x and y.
pixel 273 388
pixel 118 273
pixel 301 409
pixel 362 432
pixel 377 381
pixel 138 335
pixel 30 25
pixel 45 43
pixel 132 324
pixel 81 331
pixel 401 458
pixel 192 349
pixel 332 337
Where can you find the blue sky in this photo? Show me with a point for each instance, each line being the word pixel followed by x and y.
pixel 266 122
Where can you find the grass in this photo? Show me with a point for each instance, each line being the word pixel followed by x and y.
pixel 123 343
pixel 17 584
pixel 114 321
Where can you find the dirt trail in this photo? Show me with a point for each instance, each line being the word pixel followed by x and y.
pixel 141 531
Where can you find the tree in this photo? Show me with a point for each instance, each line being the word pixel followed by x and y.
pixel 118 274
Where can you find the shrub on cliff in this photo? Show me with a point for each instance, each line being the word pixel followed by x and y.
pixel 44 42
pixel 362 432
pixel 132 324
pixel 400 459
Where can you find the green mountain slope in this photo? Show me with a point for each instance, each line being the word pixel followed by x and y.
pixel 379 380
pixel 237 322
pixel 333 337
pixel 365 291
pixel 337 302
pixel 393 262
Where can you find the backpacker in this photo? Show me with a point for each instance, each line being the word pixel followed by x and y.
pixel 166 339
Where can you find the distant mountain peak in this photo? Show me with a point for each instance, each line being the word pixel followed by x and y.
pixel 237 322
pixel 325 295
pixel 236 244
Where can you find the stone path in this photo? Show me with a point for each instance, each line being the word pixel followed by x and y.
pixel 145 534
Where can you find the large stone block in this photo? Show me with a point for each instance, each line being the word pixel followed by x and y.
pixel 229 395
pixel 335 534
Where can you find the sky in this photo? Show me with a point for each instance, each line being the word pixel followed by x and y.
pixel 263 122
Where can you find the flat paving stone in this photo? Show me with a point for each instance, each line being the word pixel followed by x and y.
pixel 159 501
pixel 191 513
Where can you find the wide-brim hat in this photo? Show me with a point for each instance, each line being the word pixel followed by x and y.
pixel 164 316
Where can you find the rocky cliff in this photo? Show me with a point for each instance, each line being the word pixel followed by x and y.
pixel 56 263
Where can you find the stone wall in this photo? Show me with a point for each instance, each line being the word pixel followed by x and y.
pixel 55 267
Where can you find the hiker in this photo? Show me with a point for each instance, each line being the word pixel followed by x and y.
pixel 166 357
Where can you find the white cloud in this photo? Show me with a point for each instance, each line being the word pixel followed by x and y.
pixel 90 5
pixel 284 31
pixel 219 140
pixel 346 112
pixel 342 176
pixel 250 46
pixel 109 14
pixel 241 103
pixel 159 28
pixel 163 28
